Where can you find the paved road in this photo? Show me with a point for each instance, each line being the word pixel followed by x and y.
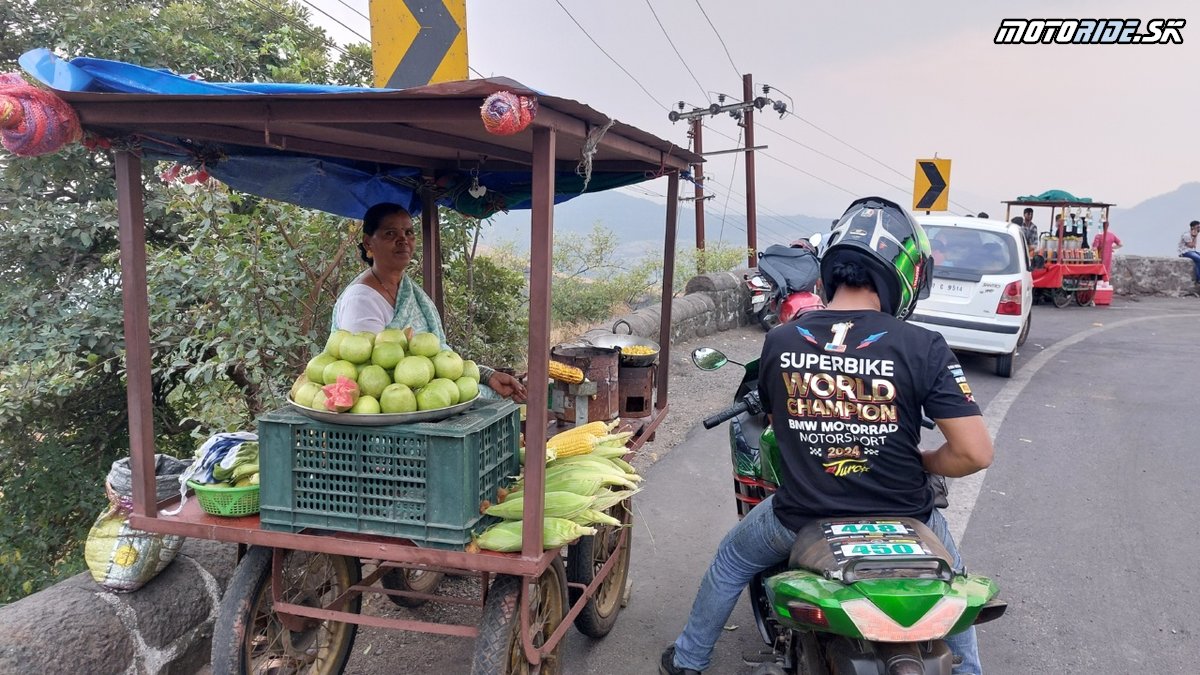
pixel 1087 519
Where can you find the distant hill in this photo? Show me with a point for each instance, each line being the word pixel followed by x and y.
pixel 639 223
pixel 1153 227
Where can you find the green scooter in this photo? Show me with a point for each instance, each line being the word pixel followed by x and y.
pixel 858 596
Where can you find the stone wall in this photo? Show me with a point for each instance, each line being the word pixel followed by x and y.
pixel 1146 275
pixel 711 303
pixel 77 626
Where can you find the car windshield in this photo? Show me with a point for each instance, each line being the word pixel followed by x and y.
pixel 972 251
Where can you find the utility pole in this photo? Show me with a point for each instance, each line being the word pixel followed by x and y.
pixel 698 174
pixel 751 216
pixel 743 112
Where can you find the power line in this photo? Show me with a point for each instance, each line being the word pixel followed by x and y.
pixel 353 9
pixel 672 43
pixel 793 166
pixel 719 38
pixel 335 20
pixel 309 31
pixel 835 159
pixel 610 58
pixel 864 154
pixel 738 143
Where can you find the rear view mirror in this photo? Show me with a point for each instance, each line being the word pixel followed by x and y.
pixel 707 358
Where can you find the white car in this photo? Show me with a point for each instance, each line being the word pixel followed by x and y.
pixel 982 293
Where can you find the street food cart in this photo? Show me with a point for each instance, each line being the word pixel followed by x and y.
pixel 1064 267
pixel 423 147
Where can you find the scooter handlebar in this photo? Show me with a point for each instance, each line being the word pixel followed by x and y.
pixel 726 414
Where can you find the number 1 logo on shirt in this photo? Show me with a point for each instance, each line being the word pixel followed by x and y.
pixel 838 344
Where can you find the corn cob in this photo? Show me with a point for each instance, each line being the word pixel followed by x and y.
pixel 551 455
pixel 608 453
pixel 585 486
pixel 623 465
pixel 589 516
pixel 557 505
pixel 578 444
pixel 556 532
pixel 615 440
pixel 598 464
pixel 591 429
pixel 564 373
pixel 607 499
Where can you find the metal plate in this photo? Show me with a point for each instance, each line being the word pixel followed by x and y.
pixel 381 419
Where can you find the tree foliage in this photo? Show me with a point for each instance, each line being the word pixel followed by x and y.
pixel 219 356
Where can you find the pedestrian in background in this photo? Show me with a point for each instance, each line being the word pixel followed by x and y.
pixel 1187 246
pixel 1030 230
pixel 1106 242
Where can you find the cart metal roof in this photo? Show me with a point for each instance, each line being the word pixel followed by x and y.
pixel 343 149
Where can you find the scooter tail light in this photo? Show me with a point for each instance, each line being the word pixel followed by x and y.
pixel 806 613
pixel 879 627
pixel 1010 300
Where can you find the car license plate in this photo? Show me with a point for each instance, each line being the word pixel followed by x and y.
pixel 952 289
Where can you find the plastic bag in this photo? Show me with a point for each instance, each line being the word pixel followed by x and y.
pixel 120 557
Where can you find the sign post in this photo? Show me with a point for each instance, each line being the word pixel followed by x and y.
pixel 418 42
pixel 931 185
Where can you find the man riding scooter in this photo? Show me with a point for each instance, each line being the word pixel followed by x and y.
pixel 885 372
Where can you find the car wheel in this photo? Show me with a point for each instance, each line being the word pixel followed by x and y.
pixel 1004 364
pixel 1025 330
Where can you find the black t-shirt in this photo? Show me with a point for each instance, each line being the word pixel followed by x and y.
pixel 845 390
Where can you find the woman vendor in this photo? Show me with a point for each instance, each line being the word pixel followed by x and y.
pixel 385 297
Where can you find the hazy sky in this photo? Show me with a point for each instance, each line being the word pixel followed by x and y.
pixel 896 80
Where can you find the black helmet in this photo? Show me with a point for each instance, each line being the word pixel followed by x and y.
pixel 881 236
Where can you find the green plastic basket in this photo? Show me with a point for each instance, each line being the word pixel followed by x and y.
pixel 227 501
pixel 423 482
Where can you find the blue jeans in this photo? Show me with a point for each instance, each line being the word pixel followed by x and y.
pixel 1195 258
pixel 755 544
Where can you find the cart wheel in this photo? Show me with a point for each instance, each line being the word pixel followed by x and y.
pixel 249 636
pixel 1060 297
pixel 1004 365
pixel 1084 298
pixel 498 648
pixel 406 579
pixel 584 560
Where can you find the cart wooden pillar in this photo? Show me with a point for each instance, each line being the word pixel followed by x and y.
pixel 541 243
pixel 139 387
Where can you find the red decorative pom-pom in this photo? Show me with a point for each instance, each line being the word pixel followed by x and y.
pixel 34 121
pixel 505 113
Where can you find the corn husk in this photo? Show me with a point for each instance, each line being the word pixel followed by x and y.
pixel 607 499
pixel 556 533
pixel 591 516
pixel 556 505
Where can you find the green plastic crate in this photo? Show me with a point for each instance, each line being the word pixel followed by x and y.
pixel 422 482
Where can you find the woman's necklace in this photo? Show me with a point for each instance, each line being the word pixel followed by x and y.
pixel 391 294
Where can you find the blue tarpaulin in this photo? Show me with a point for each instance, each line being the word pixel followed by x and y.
pixel 341 186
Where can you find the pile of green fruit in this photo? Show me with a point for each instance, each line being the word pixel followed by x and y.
pixel 393 371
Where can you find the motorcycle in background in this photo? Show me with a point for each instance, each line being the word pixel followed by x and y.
pixel 857 596
pixel 785 284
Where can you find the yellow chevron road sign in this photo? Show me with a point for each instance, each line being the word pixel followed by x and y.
pixel 417 42
pixel 931 185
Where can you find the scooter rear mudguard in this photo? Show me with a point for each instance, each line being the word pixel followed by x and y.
pixel 878 579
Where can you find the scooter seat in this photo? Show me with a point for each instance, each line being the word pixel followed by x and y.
pixel 822 546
